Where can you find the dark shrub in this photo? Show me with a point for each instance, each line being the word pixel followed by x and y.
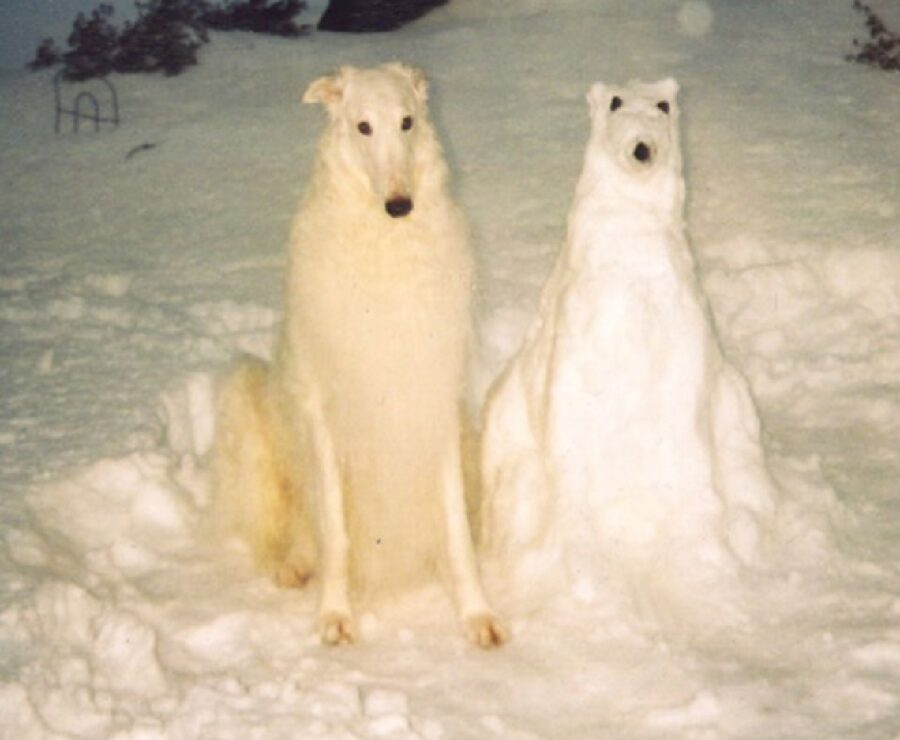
pixel 48 55
pixel 259 16
pixel 165 37
pixel 92 45
pixel 882 50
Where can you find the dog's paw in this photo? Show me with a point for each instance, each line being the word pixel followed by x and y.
pixel 485 630
pixel 337 628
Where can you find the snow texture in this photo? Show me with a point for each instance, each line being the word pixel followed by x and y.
pixel 695 18
pixel 127 285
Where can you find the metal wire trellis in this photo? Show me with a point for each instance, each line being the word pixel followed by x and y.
pixel 85 99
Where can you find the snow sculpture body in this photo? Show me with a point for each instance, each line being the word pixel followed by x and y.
pixel 620 433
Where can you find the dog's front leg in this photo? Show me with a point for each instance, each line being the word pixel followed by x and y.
pixel 480 624
pixel 335 617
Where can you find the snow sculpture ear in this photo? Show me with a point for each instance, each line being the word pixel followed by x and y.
pixel 667 89
pixel 670 86
pixel 415 76
pixel 327 90
pixel 597 98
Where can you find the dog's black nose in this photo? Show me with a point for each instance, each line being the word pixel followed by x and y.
pixel 642 152
pixel 398 207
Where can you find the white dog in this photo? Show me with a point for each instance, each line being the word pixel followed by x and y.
pixel 620 433
pixel 342 458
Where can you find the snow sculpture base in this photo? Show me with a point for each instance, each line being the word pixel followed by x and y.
pixel 620 440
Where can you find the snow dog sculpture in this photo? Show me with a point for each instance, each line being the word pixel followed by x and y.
pixel 341 459
pixel 620 434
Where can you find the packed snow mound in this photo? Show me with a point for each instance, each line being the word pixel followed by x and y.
pixel 621 438
pixel 143 624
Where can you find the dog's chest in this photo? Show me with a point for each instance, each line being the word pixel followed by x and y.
pixel 378 303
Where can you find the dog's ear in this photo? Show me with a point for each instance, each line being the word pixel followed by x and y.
pixel 327 90
pixel 415 76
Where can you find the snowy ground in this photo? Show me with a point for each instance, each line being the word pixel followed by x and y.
pixel 126 283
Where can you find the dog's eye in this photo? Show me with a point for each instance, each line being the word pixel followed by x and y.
pixel 663 105
pixel 615 103
pixel 365 128
pixel 407 123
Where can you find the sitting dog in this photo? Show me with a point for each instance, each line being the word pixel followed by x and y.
pixel 342 457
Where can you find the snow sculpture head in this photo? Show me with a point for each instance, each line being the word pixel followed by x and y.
pixel 634 154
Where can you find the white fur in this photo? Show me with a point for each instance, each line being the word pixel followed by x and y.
pixel 343 457
pixel 620 435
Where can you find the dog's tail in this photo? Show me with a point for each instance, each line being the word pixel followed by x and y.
pixel 256 493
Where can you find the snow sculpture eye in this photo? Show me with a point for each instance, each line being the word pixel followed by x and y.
pixel 663 105
pixel 365 128
pixel 407 123
pixel 615 103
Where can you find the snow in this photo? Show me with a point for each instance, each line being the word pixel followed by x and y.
pixel 127 284
pixel 695 18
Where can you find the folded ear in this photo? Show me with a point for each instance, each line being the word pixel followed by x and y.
pixel 415 76
pixel 327 90
pixel 597 98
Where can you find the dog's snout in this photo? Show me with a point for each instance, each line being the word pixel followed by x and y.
pixel 643 153
pixel 398 206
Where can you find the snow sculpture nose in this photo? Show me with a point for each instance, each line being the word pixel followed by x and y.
pixel 643 153
pixel 398 206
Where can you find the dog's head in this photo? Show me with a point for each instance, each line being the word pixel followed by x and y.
pixel 376 115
